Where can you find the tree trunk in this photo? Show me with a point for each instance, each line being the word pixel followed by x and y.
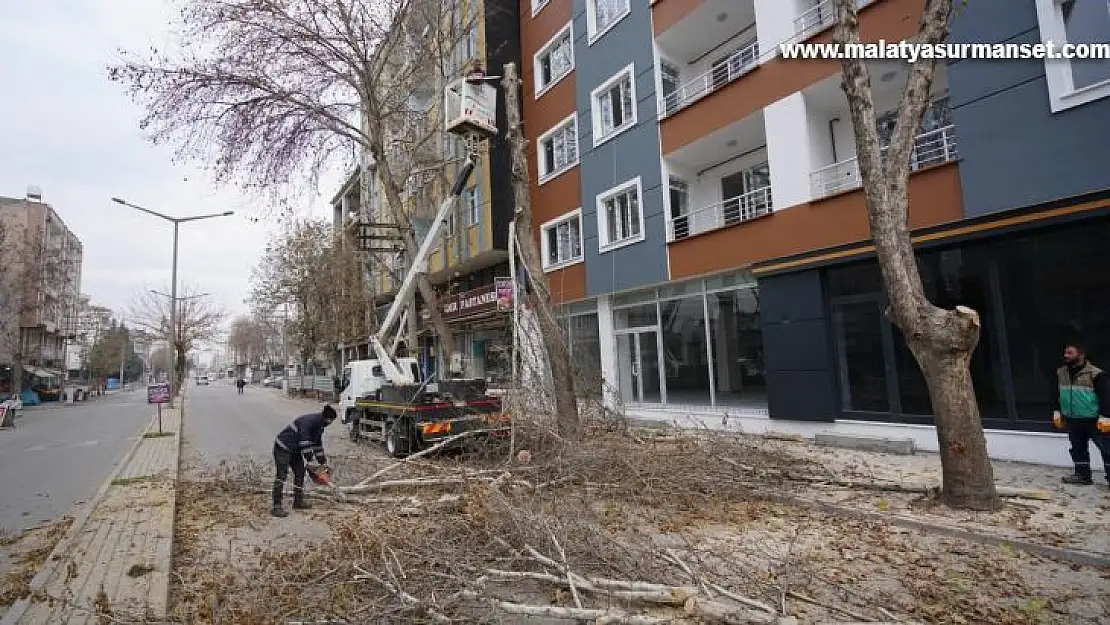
pixel 942 341
pixel 558 354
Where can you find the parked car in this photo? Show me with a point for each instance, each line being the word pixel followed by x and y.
pixel 202 380
pixel 273 382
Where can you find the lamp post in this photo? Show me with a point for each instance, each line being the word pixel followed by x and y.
pixel 176 221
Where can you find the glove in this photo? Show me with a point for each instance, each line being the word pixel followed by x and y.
pixel 1103 425
pixel 1058 419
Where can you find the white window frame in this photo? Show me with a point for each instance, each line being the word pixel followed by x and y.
pixel 591 20
pixel 544 177
pixel 547 48
pixel 1062 94
pixel 605 239
pixel 628 71
pixel 545 247
pixel 538 5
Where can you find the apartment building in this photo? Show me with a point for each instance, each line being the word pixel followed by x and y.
pixel 470 254
pixel 41 283
pixel 87 322
pixel 698 206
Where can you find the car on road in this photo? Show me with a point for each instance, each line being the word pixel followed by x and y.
pixel 202 380
pixel 273 382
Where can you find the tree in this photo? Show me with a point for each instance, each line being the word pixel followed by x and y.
pixel 941 341
pixel 160 361
pixel 246 340
pixel 112 349
pixel 11 297
pixel 198 320
pixel 283 87
pixel 555 346
pixel 309 268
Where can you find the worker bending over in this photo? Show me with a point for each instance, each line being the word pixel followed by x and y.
pixel 295 447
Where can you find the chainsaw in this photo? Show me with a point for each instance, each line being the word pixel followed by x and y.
pixel 320 475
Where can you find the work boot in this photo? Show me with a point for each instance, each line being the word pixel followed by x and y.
pixel 278 511
pixel 1078 480
pixel 300 502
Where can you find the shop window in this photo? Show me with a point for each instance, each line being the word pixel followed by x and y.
pixel 737 341
pixel 685 351
pixel 1055 289
pixel 585 352
pixel 858 325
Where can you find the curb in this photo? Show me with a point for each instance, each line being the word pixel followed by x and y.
pixel 17 609
pixel 167 557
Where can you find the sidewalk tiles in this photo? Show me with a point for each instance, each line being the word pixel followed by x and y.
pixel 121 555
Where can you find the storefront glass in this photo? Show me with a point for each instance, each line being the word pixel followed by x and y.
pixel 685 352
pixel 737 348
pixel 1033 293
pixel 585 354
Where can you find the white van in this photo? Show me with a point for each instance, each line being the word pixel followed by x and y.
pixel 365 377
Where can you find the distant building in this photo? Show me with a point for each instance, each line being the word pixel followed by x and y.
pixel 40 287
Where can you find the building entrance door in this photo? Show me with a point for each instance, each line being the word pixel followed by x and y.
pixel 639 363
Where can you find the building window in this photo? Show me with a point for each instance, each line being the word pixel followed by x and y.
pixel 614 105
pixel 1072 82
pixel 538 5
pixel 562 241
pixel 620 215
pixel 555 60
pixel 602 15
pixel 472 204
pixel 558 149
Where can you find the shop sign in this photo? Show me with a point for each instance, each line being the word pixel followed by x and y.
pixel 479 300
pixel 504 288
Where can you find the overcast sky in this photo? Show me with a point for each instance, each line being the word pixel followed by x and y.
pixel 67 129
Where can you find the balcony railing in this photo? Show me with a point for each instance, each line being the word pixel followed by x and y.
pixel 930 148
pixel 820 16
pixel 754 203
pixel 738 63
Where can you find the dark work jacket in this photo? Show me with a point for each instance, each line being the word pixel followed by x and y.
pixel 305 435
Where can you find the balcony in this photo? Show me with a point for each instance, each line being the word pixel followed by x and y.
pixel 744 207
pixel 732 67
pixel 935 147
pixel 710 46
pixel 721 180
pixel 820 16
pixel 833 165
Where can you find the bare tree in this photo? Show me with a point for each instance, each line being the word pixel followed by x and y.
pixel 11 298
pixel 246 340
pixel 198 320
pixel 281 87
pixel 942 341
pixel 309 268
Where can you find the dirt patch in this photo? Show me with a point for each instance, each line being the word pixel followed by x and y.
pixel 649 523
pixel 31 549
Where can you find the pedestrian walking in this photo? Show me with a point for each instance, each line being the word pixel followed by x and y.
pixel 295 447
pixel 1082 403
pixel 239 384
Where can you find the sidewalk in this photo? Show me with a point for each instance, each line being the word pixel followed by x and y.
pixel 119 556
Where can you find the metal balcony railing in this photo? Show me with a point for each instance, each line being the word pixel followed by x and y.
pixel 818 17
pixel 754 203
pixel 930 148
pixel 738 63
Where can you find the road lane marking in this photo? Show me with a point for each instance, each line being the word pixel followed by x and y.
pixel 62 446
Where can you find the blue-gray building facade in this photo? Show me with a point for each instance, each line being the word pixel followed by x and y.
pixel 631 154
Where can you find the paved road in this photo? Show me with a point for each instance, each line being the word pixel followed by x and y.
pixel 60 455
pixel 220 424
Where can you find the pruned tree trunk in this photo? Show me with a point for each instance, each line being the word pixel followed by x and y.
pixel 942 341
pixel 558 354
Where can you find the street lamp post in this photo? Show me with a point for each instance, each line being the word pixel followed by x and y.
pixel 176 221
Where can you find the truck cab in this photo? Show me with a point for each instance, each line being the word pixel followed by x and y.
pixel 363 378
